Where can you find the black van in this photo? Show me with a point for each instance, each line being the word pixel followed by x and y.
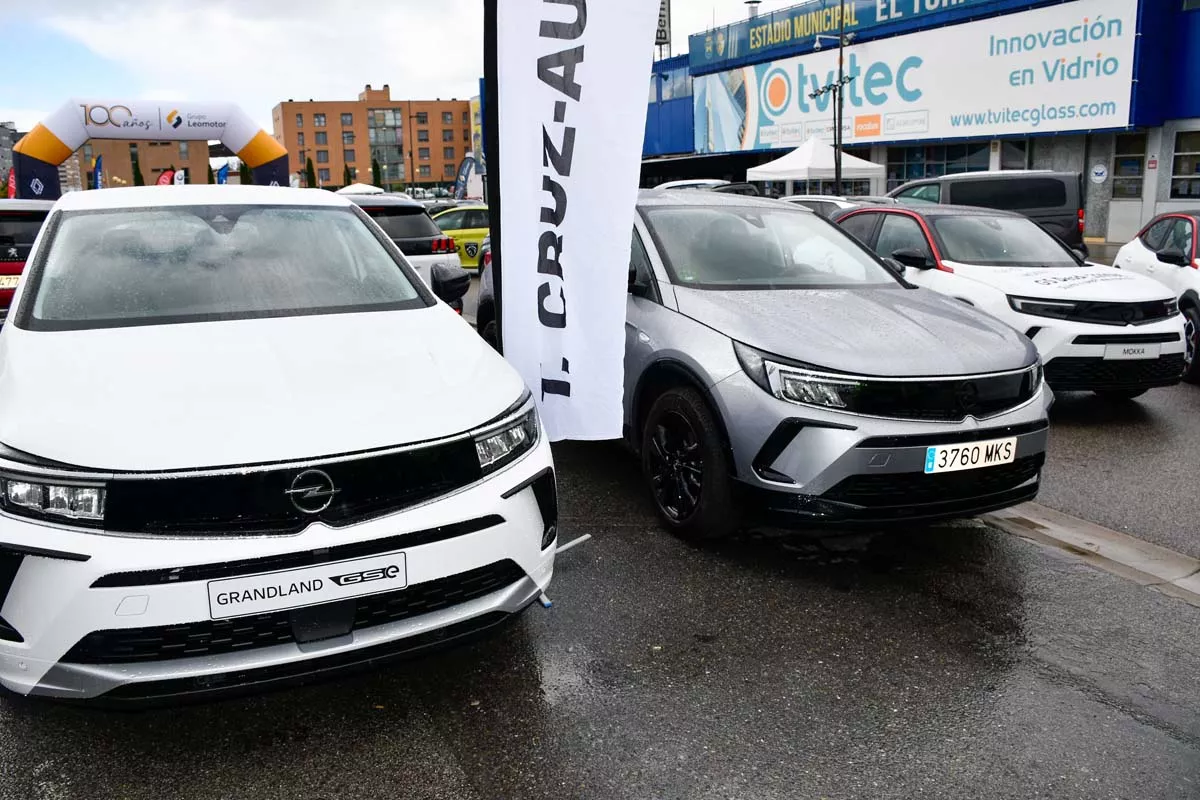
pixel 1054 200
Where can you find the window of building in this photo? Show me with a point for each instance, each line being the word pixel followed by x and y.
pixel 349 156
pixel 448 153
pixel 300 139
pixel 447 117
pixel 449 171
pixel 676 83
pixel 353 172
pixel 829 187
pixel 299 120
pixel 322 137
pixel 183 150
pixel 467 136
pixel 1014 154
pixel 912 163
pixel 322 156
pixel 347 137
pixel 323 175
pixel 87 154
pixel 424 170
pixel 1129 165
pixel 1185 172
pixel 318 120
pixel 466 118
pixel 347 120
pixel 423 153
pixel 447 135
pixel 422 136
pixel 422 118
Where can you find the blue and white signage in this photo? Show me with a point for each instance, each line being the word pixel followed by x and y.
pixel 1060 68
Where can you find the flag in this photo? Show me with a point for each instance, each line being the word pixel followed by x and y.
pixel 223 174
pixel 98 173
pixel 563 181
pixel 168 175
pixel 180 177
pixel 12 182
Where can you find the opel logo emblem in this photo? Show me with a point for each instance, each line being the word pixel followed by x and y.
pixel 1128 315
pixel 312 491
pixel 968 396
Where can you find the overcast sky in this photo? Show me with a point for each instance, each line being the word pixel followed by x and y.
pixel 257 52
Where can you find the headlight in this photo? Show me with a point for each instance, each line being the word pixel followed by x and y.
pixel 502 446
pixel 1172 306
pixel 1056 309
pixel 52 501
pixel 797 384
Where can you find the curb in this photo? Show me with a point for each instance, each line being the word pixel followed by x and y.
pixel 1146 564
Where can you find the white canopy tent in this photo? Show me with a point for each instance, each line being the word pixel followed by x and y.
pixel 813 160
pixel 360 188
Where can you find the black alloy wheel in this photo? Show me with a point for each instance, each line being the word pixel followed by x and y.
pixel 686 467
pixel 1191 344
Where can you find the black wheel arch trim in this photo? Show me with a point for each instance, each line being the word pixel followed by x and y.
pixel 1190 298
pixel 685 372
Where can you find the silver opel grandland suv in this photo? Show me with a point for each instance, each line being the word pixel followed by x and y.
pixel 778 372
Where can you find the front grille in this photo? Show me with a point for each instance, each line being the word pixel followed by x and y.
pixel 917 488
pixel 258 503
pixel 949 399
pixel 1122 313
pixel 1085 374
pixel 221 637
pixel 1126 338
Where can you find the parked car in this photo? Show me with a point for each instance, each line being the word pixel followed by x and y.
pixel 469 225
pixel 242 443
pixel 427 248
pixel 777 370
pixel 693 183
pixel 1098 329
pixel 20 221
pixel 1053 200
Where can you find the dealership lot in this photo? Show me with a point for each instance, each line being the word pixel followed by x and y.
pixel 952 662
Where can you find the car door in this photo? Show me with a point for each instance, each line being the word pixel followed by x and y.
pixel 902 238
pixel 1179 243
pixel 1141 255
pixel 469 238
pixel 645 315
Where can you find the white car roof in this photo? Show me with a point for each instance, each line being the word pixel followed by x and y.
pixel 197 195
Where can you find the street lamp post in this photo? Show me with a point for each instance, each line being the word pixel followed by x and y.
pixel 838 88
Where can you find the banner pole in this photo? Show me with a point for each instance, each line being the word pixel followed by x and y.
pixel 491 149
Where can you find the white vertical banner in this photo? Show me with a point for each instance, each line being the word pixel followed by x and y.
pixel 572 110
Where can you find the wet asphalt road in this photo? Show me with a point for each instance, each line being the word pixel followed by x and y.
pixel 955 662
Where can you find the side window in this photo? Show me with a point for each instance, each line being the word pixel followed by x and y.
pixel 475 219
pixel 639 266
pixel 860 226
pixel 1011 194
pixel 925 193
pixel 1156 234
pixel 451 221
pixel 1179 241
pixel 900 232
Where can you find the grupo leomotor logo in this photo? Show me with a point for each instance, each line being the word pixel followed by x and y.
pixel 776 92
pixel 174 119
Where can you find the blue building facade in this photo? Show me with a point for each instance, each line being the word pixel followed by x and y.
pixel 1106 88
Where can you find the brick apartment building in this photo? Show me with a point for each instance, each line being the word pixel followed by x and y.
pixel 425 139
pixel 151 157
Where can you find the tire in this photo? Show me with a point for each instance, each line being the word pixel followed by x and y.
pixel 1120 395
pixel 1191 331
pixel 686 467
pixel 491 335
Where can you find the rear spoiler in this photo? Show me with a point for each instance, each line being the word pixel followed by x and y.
pixel 738 188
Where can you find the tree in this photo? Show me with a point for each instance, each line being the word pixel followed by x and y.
pixel 138 178
pixel 310 175
pixel 211 178
pixel 245 175
pixel 346 179
pixel 376 173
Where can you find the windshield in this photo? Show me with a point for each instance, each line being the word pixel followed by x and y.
pixel 1000 242
pixel 749 247
pixel 403 222
pixel 125 267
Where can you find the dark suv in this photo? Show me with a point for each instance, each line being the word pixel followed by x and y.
pixel 20 221
pixel 1053 200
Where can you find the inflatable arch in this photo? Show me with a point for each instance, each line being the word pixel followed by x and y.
pixel 37 155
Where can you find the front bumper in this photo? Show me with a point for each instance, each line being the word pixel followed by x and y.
pixel 1074 354
pixel 75 599
pixel 806 467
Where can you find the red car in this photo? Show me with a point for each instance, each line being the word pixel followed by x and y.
pixel 20 221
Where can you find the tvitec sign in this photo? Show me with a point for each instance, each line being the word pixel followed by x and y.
pixel 1065 67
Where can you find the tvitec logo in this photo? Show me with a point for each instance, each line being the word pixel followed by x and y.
pixel 173 118
pixel 776 92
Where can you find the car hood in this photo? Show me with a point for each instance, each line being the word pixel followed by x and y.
pixel 1092 282
pixel 215 394
pixel 891 332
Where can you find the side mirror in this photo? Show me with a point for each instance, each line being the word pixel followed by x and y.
pixel 896 266
pixel 637 287
pixel 450 283
pixel 1080 256
pixel 911 257
pixel 1178 259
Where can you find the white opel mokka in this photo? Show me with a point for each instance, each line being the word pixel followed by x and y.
pixel 242 444
pixel 1097 328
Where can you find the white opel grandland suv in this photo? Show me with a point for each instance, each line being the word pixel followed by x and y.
pixel 242 444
